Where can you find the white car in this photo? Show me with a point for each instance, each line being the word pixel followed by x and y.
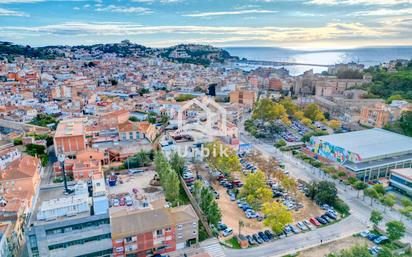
pixel 227 232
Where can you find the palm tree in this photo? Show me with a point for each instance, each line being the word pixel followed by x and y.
pixel 241 225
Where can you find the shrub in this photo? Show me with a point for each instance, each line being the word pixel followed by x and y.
pixel 341 207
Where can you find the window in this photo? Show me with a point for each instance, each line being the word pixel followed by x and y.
pixel 179 227
pixel 168 229
pixel 159 232
pixel 194 232
pixel 130 135
pixel 194 224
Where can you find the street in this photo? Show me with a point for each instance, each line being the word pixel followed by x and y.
pixel 356 222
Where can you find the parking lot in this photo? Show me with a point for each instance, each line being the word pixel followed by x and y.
pixel 134 190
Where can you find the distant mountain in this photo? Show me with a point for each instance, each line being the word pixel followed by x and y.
pixel 190 53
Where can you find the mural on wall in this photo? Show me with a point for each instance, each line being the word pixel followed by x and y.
pixel 334 153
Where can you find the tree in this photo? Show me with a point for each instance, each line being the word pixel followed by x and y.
pixel 299 115
pixel 372 193
pixel 255 190
pixel 222 158
pixel 197 189
pixel 359 185
pixel 290 106
pixel 334 124
pixel 313 112
pixel 172 186
pixel 306 121
pixel 280 143
pixel 268 111
pixel 206 198
pixel 327 193
pixel 177 162
pixel 133 119
pixel 161 166
pixel 406 211
pixel 379 188
pixel 214 215
pixel 376 217
pixel 406 202
pixel 289 184
pixel 277 216
pixel 395 230
pixel 405 122
pixel 312 190
pixel 388 200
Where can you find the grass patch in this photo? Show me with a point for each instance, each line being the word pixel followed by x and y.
pixel 233 242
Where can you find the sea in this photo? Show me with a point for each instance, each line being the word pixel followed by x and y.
pixel 368 56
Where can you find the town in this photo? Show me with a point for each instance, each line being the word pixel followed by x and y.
pixel 122 150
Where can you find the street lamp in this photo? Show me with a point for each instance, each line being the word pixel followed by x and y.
pixel 61 159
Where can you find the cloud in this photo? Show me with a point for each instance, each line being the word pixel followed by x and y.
pixel 36 1
pixel 124 9
pixel 354 2
pixel 383 12
pixel 6 12
pixel 237 12
pixel 329 31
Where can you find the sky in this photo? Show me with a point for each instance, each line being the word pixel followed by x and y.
pixel 297 24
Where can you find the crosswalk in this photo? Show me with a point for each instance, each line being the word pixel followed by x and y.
pixel 213 248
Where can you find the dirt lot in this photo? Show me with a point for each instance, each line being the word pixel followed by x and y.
pixel 333 247
pixel 231 214
pixel 310 209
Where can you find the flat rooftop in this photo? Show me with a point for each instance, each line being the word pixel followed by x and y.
pixel 405 173
pixel 72 127
pixel 53 193
pixel 371 143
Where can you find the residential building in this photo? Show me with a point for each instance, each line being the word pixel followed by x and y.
pixel 5 233
pixel 244 97
pixel 156 231
pixel 137 131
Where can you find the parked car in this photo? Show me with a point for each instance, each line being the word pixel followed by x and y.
pixel 380 240
pixel 269 234
pixel 115 202
pixel 321 220
pixel 302 226
pixel 372 236
pixel 251 214
pixel 257 239
pixel 331 214
pixel 250 240
pixel 263 236
pixel 374 250
pixel 308 224
pixel 227 232
pixel 232 197
pixel 314 221
pixel 364 234
pixel 287 230
pixel 295 230
pixel 221 226
pixel 325 217
pixel 134 171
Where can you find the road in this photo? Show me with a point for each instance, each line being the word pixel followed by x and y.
pixel 357 221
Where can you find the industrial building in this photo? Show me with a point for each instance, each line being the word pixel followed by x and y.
pixel 368 154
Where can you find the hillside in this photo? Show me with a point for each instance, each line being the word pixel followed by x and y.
pixel 196 54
